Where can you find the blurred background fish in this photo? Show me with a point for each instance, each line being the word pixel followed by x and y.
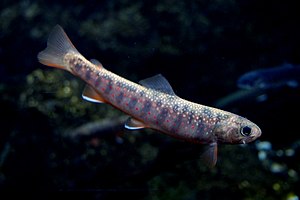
pixel 271 78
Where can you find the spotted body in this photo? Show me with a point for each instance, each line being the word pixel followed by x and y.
pixel 152 103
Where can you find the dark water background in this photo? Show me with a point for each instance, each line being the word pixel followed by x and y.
pixel 201 47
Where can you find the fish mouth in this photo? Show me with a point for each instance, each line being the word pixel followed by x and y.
pixel 249 139
pixel 252 137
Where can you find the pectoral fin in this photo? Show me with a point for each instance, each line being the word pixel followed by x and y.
pixel 209 156
pixel 90 94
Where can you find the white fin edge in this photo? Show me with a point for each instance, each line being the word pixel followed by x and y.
pixel 91 99
pixel 133 128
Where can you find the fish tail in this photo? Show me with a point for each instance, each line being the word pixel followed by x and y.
pixel 58 45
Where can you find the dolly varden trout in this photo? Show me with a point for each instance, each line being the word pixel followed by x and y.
pixel 152 103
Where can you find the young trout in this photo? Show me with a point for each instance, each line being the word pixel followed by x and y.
pixel 152 103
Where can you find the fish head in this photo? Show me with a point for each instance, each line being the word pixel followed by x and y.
pixel 237 130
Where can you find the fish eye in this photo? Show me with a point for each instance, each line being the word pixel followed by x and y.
pixel 245 131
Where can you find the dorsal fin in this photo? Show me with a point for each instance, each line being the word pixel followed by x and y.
pixel 158 82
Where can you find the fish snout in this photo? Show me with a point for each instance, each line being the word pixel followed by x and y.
pixel 254 134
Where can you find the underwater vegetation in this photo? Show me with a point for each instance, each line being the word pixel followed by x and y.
pixel 53 141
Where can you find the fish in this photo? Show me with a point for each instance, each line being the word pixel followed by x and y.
pixel 271 78
pixel 151 103
pixel 240 97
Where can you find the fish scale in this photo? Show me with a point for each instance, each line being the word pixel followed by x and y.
pixel 150 104
pixel 109 84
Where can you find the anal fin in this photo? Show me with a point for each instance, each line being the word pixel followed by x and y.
pixel 90 94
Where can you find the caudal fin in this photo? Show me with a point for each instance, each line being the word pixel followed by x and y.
pixel 58 45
